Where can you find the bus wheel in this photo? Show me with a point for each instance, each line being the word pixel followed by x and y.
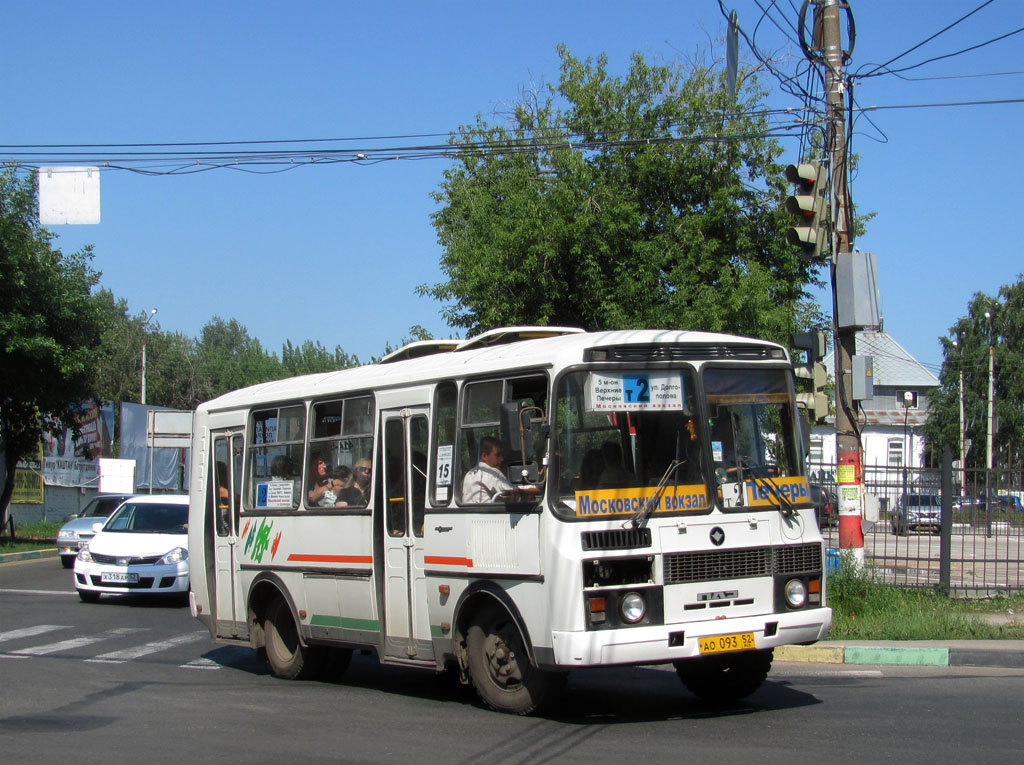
pixel 500 668
pixel 288 658
pixel 725 677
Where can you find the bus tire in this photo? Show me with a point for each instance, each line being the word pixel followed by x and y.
pixel 288 658
pixel 725 677
pixel 500 668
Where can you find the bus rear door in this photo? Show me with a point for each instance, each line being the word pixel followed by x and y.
pixel 407 627
pixel 224 497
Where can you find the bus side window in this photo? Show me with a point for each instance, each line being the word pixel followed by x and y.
pixel 445 410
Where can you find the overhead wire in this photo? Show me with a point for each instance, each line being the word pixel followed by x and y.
pixel 928 39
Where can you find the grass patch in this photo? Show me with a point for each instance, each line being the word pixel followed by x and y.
pixel 30 536
pixel 862 609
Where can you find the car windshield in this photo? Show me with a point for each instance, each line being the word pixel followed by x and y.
pixel 148 518
pixel 101 507
pixel 622 434
pixel 923 500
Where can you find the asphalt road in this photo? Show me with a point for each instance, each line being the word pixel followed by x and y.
pixel 140 681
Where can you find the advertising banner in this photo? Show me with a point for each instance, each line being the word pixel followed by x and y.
pixel 28 480
pixel 71 462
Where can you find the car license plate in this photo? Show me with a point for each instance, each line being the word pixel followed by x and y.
pixel 116 577
pixel 719 643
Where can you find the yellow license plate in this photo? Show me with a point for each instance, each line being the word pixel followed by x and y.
pixel 719 643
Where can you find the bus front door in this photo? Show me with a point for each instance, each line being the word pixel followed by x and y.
pixel 224 495
pixel 406 627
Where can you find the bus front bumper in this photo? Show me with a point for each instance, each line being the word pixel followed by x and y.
pixel 666 643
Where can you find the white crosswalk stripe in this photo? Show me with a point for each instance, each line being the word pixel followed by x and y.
pixel 78 642
pixel 39 629
pixel 136 652
pixel 119 656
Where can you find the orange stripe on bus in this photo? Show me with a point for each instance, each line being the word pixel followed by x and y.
pixel 444 561
pixel 302 558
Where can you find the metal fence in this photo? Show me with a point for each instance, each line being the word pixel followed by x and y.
pixel 973 546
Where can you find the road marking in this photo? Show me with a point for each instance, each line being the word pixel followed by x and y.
pixel 201 663
pixel 119 657
pixel 39 629
pixel 37 592
pixel 79 642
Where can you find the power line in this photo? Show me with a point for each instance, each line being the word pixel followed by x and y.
pixel 927 40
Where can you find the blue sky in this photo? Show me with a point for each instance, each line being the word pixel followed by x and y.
pixel 334 253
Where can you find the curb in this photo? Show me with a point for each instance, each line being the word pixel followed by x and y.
pixel 27 555
pixel 1008 656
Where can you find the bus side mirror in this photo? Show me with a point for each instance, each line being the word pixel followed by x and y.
pixel 805 431
pixel 516 430
pixel 516 425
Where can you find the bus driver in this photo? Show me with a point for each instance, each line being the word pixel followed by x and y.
pixel 487 482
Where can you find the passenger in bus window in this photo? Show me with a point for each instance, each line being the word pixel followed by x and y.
pixel 487 483
pixel 319 482
pixel 591 467
pixel 359 492
pixel 342 479
pixel 614 475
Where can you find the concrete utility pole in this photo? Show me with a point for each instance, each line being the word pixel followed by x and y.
pixel 848 443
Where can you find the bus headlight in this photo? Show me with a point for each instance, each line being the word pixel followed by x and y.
pixel 796 593
pixel 632 607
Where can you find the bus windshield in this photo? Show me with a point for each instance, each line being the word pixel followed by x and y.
pixel 751 424
pixel 628 439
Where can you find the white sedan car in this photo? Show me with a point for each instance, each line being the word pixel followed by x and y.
pixel 142 549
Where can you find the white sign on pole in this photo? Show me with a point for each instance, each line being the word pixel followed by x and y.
pixel 169 429
pixel 69 195
pixel 117 476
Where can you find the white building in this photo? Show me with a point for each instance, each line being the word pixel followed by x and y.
pixel 890 431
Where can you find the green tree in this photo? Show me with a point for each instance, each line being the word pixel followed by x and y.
pixel 966 351
pixel 50 327
pixel 643 201
pixel 313 357
pixel 229 359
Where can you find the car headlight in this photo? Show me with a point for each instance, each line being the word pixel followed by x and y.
pixel 83 554
pixel 67 534
pixel 796 593
pixel 632 607
pixel 177 555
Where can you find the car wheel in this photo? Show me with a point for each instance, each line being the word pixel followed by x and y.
pixel 500 667
pixel 67 561
pixel 288 658
pixel 89 596
pixel 725 677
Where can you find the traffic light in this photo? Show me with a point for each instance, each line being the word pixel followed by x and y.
pixel 816 400
pixel 808 205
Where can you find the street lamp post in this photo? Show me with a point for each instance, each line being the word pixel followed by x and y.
pixel 908 399
pixel 988 445
pixel 963 445
pixel 142 387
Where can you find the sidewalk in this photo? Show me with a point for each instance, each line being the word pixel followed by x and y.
pixel 30 555
pixel 931 653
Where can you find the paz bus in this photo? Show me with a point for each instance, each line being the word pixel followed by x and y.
pixel 514 506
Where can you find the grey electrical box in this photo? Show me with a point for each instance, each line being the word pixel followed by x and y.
pixel 857 290
pixel 863 382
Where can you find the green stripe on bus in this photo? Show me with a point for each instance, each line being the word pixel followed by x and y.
pixel 321 620
pixel 436 631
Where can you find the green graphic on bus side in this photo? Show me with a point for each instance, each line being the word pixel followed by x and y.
pixel 259 540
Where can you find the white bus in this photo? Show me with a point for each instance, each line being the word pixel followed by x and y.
pixel 513 506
